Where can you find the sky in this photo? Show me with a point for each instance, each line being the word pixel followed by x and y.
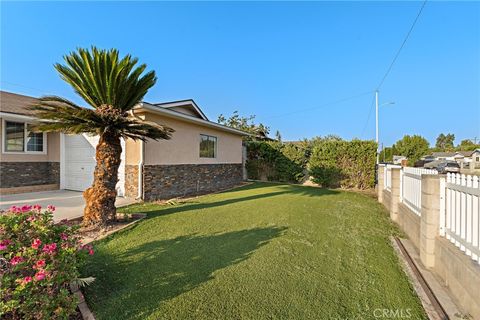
pixel 304 68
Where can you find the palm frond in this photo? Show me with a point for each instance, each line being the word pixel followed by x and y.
pixel 61 115
pixel 112 86
pixel 100 78
pixel 83 282
pixel 137 129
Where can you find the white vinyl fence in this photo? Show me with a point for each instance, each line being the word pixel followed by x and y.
pixel 411 187
pixel 460 219
pixel 387 176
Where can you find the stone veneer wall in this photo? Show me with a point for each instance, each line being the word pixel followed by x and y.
pixel 131 181
pixel 170 181
pixel 23 174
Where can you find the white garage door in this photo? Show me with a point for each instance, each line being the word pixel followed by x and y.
pixel 80 163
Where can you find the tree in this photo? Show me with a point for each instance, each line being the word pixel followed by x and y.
pixel 247 124
pixel 445 142
pixel 278 136
pixel 112 86
pixel 467 145
pixel 412 147
pixel 386 155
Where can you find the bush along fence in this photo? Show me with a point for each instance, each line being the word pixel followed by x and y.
pixel 441 216
pixel 328 162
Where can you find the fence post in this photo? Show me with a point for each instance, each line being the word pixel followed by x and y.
pixel 430 218
pixel 380 182
pixel 443 186
pixel 395 194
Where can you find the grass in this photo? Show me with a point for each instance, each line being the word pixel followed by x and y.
pixel 263 251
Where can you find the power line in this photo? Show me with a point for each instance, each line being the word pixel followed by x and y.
pixel 322 105
pixel 403 44
pixel 369 115
pixel 21 86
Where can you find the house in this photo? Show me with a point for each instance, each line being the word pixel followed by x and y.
pixel 458 156
pixel 202 156
pixel 400 160
pixel 467 159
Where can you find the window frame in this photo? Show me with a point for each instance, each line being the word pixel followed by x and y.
pixel 215 149
pixel 25 139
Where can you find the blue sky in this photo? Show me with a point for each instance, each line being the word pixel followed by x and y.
pixel 285 62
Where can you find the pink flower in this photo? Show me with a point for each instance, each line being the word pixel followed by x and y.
pixel 31 218
pixel 16 260
pixel 63 236
pixel 40 275
pixel 91 252
pixel 49 248
pixel 40 264
pixel 26 208
pixel 15 209
pixel 37 207
pixel 4 244
pixel 51 208
pixel 27 279
pixel 36 243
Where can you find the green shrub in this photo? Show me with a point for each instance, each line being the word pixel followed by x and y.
pixel 38 260
pixel 346 164
pixel 330 161
pixel 274 161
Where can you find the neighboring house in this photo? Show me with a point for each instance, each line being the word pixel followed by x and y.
pixel 469 159
pixel 401 160
pixel 458 156
pixel 202 156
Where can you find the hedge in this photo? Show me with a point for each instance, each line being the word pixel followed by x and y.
pixel 331 162
pixel 345 164
pixel 276 161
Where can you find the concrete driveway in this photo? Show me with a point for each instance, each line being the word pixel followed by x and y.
pixel 68 204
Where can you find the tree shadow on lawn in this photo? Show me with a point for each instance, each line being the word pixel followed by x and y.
pixel 134 283
pixel 193 205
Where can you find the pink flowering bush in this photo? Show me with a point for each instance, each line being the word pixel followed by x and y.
pixel 38 261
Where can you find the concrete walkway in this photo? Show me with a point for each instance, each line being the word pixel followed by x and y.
pixel 68 204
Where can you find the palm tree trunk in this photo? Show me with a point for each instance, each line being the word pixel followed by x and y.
pixel 100 197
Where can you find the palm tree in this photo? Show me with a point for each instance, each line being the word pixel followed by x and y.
pixel 112 87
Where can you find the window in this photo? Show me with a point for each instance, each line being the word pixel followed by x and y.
pixel 14 136
pixel 208 146
pixel 34 140
pixel 20 137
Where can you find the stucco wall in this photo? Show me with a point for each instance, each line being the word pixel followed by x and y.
pixel 132 152
pixel 53 151
pixel 184 147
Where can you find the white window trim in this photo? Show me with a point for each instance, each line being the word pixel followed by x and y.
pixel 215 152
pixel 25 136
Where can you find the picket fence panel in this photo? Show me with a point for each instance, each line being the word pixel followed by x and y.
pixel 461 224
pixel 411 187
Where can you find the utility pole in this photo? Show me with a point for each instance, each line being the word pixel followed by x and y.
pixel 376 124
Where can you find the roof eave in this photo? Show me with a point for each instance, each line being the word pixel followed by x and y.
pixel 177 115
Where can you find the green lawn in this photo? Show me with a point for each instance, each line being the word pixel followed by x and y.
pixel 263 251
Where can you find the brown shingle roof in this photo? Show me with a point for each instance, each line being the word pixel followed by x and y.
pixel 16 103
